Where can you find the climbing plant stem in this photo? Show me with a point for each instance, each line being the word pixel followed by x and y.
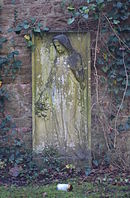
pixel 95 58
pixel 122 101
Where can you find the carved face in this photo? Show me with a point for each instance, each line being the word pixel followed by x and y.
pixel 59 47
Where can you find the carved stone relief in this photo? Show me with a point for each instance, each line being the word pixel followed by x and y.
pixel 61 75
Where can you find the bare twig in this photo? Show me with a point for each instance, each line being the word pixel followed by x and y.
pixel 106 47
pixel 105 134
pixel 95 58
pixel 117 115
pixel 120 40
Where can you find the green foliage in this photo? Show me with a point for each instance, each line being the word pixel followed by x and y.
pixel 116 71
pixel 2 40
pixel 71 20
pixel 113 64
pixel 9 65
pixel 117 43
pixel 18 162
pixel 29 27
pixel 51 159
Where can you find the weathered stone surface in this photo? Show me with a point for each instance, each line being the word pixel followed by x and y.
pixel 57 22
pixel 9 2
pixel 22 12
pixel 59 9
pixel 56 2
pixel 7 11
pixel 19 105
pixel 41 9
pixel 30 1
pixel 66 122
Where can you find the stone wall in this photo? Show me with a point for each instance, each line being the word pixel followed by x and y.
pixel 53 14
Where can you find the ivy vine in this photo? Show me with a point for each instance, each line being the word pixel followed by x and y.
pixel 113 58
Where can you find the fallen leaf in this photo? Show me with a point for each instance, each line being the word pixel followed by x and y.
pixel 27 37
pixel 0 83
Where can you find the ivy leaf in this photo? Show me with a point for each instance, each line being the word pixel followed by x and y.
pixel 76 14
pixel 85 16
pixel 16 52
pixel 26 26
pixel 128 92
pixel 92 7
pixel 8 118
pixel 128 121
pixel 70 20
pixel 46 29
pixel 37 30
pixel 120 128
pixel 124 17
pixel 10 55
pixel 125 28
pixel 84 8
pixel 18 142
pixel 18 29
pixel 33 19
pixel 70 8
pixel 122 72
pixel 100 61
pixel 29 43
pixel 112 38
pixel 88 171
pixel 119 79
pixel 116 90
pixel 13 132
pixel 3 40
pixel 96 163
pixel 119 5
pixel 25 22
pixel 120 62
pixel 13 1
pixel 103 79
pixel 39 25
pixel 104 69
pixel 116 22
pixel 11 158
pixel 10 30
pixel 3 61
pixel 96 16
pixel 124 82
pixel 17 63
pixel 99 1
pixel 127 126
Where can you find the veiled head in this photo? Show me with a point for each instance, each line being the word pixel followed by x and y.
pixel 62 40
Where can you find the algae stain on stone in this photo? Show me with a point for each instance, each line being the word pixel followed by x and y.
pixel 62 104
